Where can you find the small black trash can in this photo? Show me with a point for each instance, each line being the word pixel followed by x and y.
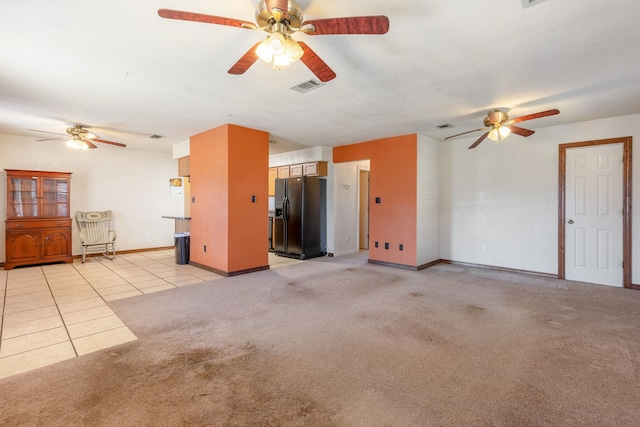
pixel 182 247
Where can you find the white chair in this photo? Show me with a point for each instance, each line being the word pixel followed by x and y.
pixel 96 235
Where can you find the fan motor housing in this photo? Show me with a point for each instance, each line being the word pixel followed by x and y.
pixel 294 14
pixel 495 117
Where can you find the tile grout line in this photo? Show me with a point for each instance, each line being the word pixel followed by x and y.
pixel 4 303
pixel 124 278
pixel 106 330
pixel 142 268
pixel 90 285
pixel 50 276
pixel 60 313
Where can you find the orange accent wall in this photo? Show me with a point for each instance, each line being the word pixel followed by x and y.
pixel 393 178
pixel 229 165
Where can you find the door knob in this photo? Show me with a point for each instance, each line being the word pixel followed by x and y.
pixel 570 221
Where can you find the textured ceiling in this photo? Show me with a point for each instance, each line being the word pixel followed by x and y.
pixel 117 66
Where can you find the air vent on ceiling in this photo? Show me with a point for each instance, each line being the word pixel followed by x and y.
pixel 445 126
pixel 527 3
pixel 155 136
pixel 307 86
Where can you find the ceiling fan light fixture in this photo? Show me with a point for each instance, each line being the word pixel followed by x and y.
pixel 264 51
pixel 77 144
pixel 279 50
pixel 293 49
pixel 499 133
pixel 277 43
pixel 493 134
pixel 281 61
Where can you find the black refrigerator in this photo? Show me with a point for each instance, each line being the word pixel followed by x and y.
pixel 300 217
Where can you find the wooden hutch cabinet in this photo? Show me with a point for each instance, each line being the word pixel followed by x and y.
pixel 38 225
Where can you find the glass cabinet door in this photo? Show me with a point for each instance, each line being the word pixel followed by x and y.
pixel 23 198
pixel 55 197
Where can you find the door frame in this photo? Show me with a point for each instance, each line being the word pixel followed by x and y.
pixel 360 170
pixel 626 204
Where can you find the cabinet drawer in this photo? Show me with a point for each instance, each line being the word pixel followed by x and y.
pixel 31 225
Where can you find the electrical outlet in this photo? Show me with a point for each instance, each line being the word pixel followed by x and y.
pixel 147 236
pixel 484 248
pixel 386 245
pixel 401 247
pixel 375 244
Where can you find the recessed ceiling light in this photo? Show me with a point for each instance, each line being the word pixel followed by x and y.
pixel 445 126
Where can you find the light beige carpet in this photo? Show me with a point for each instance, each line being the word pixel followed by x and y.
pixel 338 342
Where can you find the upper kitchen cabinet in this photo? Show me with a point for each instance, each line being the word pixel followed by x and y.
pixel 184 166
pixel 295 171
pixel 284 172
pixel 38 225
pixel 315 169
pixel 307 169
pixel 273 174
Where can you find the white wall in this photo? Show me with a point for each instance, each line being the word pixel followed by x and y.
pixel 133 184
pixel 182 149
pixel 505 196
pixel 428 201
pixel 313 154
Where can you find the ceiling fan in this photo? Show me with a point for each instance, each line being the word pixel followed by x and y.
pixel 79 137
pixel 280 19
pixel 500 126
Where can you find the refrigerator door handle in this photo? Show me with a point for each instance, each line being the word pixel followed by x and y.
pixel 285 208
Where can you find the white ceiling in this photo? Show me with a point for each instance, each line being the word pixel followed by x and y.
pixel 117 66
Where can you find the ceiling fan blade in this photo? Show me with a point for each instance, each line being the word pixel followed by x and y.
pixel 316 64
pixel 479 140
pixel 464 133
pixel 210 19
pixel 91 144
pixel 282 7
pixel 44 131
pixel 117 144
pixel 520 131
pixel 50 139
pixel 352 25
pixel 534 116
pixel 246 61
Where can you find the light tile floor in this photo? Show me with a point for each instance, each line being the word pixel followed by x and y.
pixel 55 312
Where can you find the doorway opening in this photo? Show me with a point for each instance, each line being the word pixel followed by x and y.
pixel 363 209
pixel 593 194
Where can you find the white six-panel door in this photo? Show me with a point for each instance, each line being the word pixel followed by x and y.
pixel 594 214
